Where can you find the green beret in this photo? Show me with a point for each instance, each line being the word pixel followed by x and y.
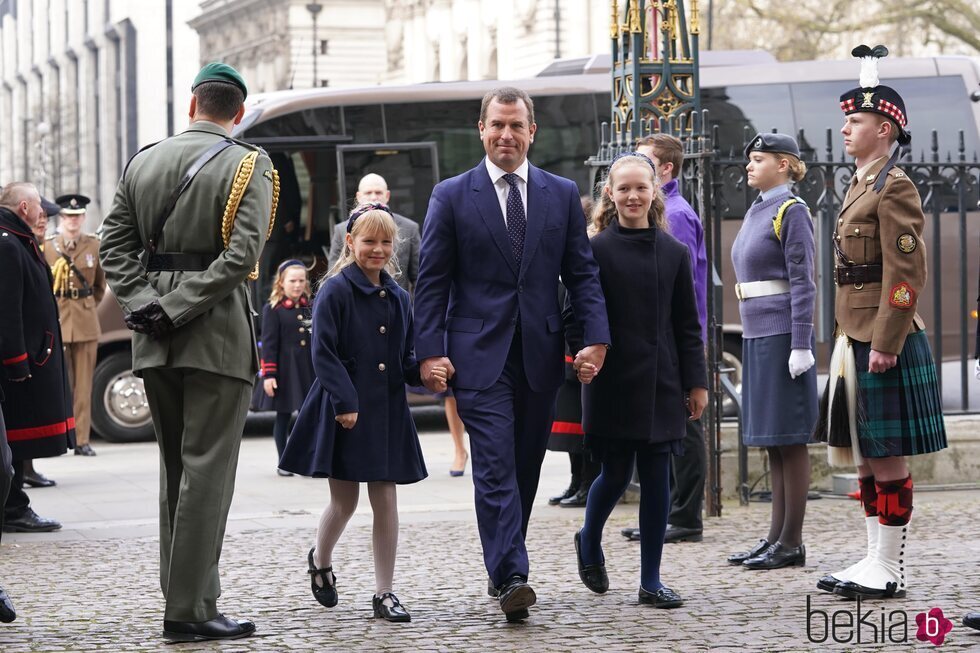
pixel 220 72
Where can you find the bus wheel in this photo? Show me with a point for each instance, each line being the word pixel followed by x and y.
pixel 731 357
pixel 120 412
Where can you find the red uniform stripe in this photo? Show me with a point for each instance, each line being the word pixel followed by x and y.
pixel 15 359
pixel 37 432
pixel 569 359
pixel 571 428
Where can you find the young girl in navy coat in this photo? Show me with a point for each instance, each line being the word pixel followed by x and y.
pixel 287 366
pixel 355 426
pixel 634 409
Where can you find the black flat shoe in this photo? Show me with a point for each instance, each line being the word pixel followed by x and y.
pixel 7 613
pixel 396 612
pixel 631 534
pixel 971 620
pixel 37 479
pixel 577 500
pixel 681 534
pixel 84 450
pixel 569 491
pixel 593 576
pixel 739 558
pixel 221 627
pixel 327 594
pixel 662 598
pixel 283 472
pixel 492 590
pixel 30 522
pixel 516 596
pixel 827 583
pixel 851 590
pixel 778 556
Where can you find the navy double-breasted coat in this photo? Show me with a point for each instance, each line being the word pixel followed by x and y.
pixel 284 352
pixel 363 355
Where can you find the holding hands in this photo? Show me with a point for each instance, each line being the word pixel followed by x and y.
pixel 436 372
pixel 588 362
pixel 800 360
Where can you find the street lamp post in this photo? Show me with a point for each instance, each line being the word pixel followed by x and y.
pixel 314 8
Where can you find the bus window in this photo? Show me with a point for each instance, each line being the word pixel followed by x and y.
pixel 568 134
pixel 323 121
pixel 363 123
pixel 452 125
pixel 409 170
pixel 754 108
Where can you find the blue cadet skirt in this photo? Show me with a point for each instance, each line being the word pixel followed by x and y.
pixel 777 410
pixel 901 408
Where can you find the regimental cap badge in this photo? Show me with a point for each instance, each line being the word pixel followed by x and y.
pixel 872 96
pixel 758 144
pixel 868 101
pixel 73 203
pixel 907 243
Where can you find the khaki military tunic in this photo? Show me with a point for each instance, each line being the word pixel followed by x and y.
pixel 882 228
pixel 79 316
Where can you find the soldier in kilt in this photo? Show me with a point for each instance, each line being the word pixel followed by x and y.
pixel 883 401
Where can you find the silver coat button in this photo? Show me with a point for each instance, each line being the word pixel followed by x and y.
pixel 381 367
pixel 383 293
pixel 382 329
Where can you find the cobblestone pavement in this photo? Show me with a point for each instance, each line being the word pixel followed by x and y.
pixel 101 593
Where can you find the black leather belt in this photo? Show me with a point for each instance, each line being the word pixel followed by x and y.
pixel 857 274
pixel 75 293
pixel 179 262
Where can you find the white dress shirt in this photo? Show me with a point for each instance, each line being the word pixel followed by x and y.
pixel 502 187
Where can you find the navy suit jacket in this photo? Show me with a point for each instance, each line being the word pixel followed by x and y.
pixel 470 290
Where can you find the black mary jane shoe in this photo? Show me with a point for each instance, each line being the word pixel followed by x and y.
pixel 221 627
pixel 742 556
pixel 593 576
pixel 84 450
pixel 37 479
pixel 327 594
pixel 515 597
pixel 569 491
pixel 7 612
pixel 396 612
pixel 851 590
pixel 663 598
pixel 778 556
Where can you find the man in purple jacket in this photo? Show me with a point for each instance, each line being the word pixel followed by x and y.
pixel 688 471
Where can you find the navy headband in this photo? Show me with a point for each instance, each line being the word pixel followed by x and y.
pixel 638 155
pixel 289 263
pixel 364 208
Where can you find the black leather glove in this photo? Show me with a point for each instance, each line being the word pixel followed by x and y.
pixel 150 320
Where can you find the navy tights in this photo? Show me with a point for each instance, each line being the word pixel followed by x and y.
pixel 280 431
pixel 617 469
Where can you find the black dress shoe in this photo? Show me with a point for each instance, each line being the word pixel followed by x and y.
pixel 492 590
pixel 7 613
pixel 971 620
pixel 593 576
pixel 516 596
pixel 631 534
pixel 326 595
pixel 569 491
pixel 577 500
pixel 84 450
pixel 827 583
pixel 662 598
pixel 396 612
pixel 778 556
pixel 851 590
pixel 681 534
pixel 283 472
pixel 739 558
pixel 30 522
pixel 37 479
pixel 221 627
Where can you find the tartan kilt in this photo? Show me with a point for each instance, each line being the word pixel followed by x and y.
pixel 900 411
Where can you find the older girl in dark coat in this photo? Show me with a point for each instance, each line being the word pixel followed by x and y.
pixel 355 426
pixel 653 379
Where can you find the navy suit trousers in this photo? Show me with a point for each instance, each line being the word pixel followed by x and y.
pixel 509 425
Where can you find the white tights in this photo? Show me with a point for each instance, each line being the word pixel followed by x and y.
pixel 384 540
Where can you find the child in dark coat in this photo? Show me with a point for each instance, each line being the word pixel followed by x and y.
pixel 287 366
pixel 355 426
pixel 653 379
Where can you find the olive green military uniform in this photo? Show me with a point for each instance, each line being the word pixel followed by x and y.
pixel 199 376
pixel 78 307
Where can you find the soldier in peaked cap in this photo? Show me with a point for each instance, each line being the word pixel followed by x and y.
pixel 177 249
pixel 886 403
pixel 79 285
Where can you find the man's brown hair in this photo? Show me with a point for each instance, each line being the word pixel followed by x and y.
pixel 507 95
pixel 219 100
pixel 667 149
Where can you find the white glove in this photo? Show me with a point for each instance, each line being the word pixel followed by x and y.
pixel 800 360
pixel 976 369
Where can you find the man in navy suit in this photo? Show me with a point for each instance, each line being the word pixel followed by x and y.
pixel 494 242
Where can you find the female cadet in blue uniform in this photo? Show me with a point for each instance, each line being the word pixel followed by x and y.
pixel 355 426
pixel 773 258
pixel 287 367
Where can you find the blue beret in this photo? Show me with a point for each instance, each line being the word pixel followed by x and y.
pixel 774 143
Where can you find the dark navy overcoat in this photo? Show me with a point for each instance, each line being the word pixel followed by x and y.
pixel 363 355
pixel 37 411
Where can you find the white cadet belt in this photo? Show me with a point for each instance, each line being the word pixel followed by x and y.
pixel 752 289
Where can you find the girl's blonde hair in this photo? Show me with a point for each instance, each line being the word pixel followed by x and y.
pixel 796 169
pixel 277 290
pixel 604 211
pixel 370 222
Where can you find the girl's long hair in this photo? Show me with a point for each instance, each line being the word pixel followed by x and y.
pixel 604 211
pixel 277 290
pixel 377 221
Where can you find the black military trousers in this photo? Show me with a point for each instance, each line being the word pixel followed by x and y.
pixel 687 476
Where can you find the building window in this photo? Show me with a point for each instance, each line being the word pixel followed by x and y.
pixel 324 46
pixel 324 82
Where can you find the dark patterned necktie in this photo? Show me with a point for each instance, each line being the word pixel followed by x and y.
pixel 516 218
